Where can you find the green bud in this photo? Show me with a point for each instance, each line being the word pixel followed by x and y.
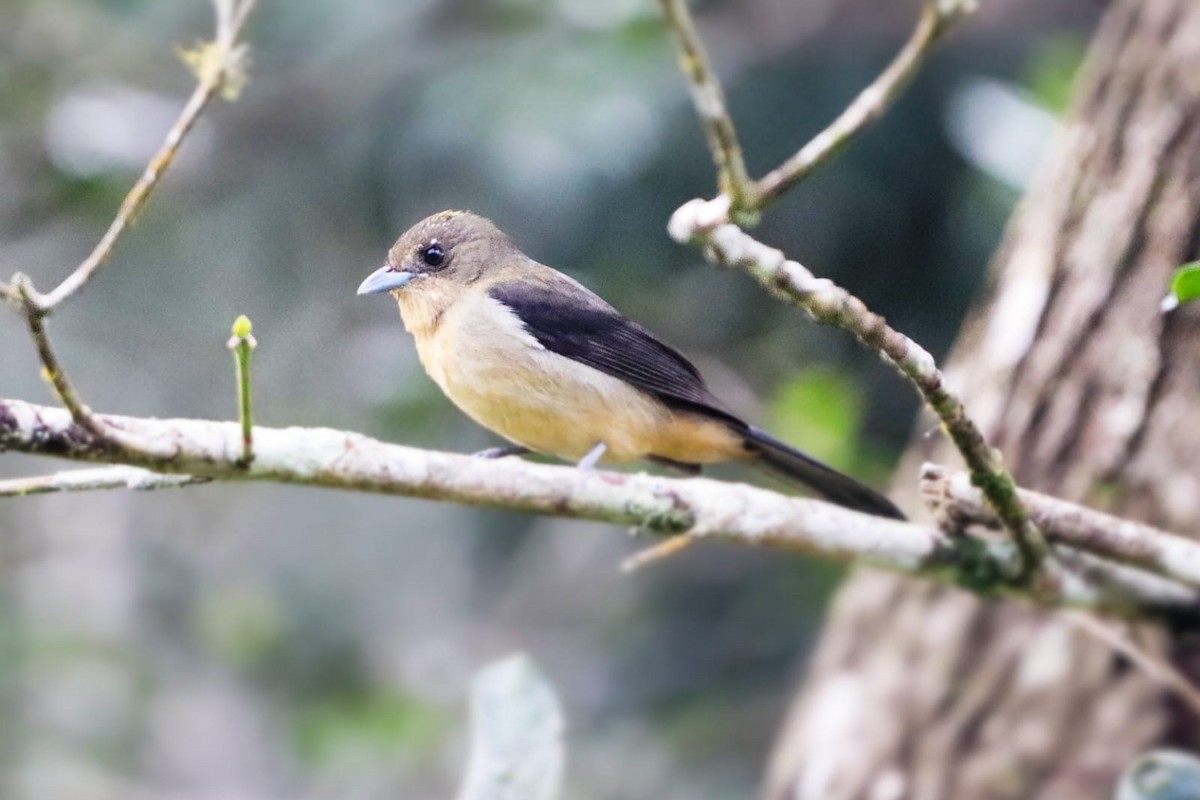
pixel 242 327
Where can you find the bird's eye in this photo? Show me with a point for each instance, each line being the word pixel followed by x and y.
pixel 433 255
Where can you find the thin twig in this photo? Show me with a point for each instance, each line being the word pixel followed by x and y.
pixel 97 478
pixel 242 343
pixel 219 68
pixel 699 507
pixel 52 371
pixel 709 99
pixel 747 197
pixel 937 18
pixel 658 552
pixel 828 303
pixel 1156 668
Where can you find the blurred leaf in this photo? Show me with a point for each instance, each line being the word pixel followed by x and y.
pixel 820 411
pixel 374 726
pixel 1050 74
pixel 1185 286
pixel 242 624
pixel 1161 775
pixel 516 734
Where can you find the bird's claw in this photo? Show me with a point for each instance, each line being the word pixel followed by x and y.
pixel 593 457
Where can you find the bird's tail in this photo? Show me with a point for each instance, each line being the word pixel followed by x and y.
pixel 790 463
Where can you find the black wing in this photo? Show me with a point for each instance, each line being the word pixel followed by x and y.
pixel 587 330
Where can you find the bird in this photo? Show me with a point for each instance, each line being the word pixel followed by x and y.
pixel 533 355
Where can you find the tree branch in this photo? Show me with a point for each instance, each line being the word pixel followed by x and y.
pixel 698 507
pixel 84 480
pixel 52 370
pixel 707 224
pixel 220 68
pixel 709 100
pixel 952 498
pixel 937 18
pixel 747 197
pixel 701 222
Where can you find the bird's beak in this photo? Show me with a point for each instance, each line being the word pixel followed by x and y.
pixel 385 279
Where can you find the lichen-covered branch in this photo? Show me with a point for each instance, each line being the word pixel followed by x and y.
pixel 708 224
pixel 951 497
pixel 93 479
pixel 702 222
pixel 701 508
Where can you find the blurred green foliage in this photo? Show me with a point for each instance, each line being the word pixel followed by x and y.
pixel 354 731
pixel 241 624
pixel 822 408
pixel 1050 73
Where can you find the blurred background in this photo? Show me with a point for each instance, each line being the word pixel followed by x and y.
pixel 272 642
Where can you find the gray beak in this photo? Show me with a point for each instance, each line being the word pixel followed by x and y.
pixel 385 279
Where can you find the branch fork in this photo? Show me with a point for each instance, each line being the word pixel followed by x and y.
pixel 747 198
pixel 712 225
pixel 220 67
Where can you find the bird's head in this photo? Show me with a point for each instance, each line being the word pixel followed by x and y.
pixel 447 247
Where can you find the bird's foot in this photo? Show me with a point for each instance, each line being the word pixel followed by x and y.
pixel 593 457
pixel 504 452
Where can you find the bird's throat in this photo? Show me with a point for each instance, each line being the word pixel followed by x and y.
pixel 422 306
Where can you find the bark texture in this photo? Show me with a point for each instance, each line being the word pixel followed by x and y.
pixel 923 692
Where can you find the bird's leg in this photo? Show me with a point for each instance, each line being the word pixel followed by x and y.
pixel 504 452
pixel 691 470
pixel 593 457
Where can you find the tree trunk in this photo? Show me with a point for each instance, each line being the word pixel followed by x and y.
pixel 924 692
